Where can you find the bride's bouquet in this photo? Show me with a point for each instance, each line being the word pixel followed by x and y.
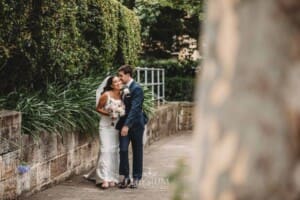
pixel 115 111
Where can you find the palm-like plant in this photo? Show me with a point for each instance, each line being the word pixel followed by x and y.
pixel 62 109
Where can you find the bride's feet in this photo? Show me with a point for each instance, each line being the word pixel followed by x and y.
pixel 112 184
pixel 105 185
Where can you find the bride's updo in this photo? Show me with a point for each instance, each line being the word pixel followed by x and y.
pixel 108 84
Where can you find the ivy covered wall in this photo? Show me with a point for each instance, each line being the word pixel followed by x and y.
pixel 46 41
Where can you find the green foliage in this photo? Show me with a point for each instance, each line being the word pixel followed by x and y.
pixel 163 21
pixel 180 88
pixel 180 77
pixel 177 178
pixel 42 41
pixel 173 67
pixel 192 7
pixel 128 3
pixel 59 41
pixel 129 33
pixel 61 109
pixel 98 22
pixel 148 105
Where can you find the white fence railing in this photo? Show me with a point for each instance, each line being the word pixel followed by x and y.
pixel 154 79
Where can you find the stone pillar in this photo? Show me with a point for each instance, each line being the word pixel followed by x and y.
pixel 10 133
pixel 247 141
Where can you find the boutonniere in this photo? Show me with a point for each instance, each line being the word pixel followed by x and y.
pixel 125 92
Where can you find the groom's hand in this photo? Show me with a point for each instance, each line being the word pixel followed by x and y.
pixel 124 131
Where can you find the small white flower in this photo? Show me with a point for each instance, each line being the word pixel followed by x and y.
pixel 126 91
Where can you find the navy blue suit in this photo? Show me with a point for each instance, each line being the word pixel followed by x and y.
pixel 135 120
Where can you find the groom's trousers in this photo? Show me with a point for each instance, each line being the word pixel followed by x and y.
pixel 135 136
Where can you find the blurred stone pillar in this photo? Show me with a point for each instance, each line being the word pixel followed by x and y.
pixel 247 135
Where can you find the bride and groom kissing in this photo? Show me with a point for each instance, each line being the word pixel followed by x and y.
pixel 119 100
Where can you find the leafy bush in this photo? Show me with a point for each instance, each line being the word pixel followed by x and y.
pixel 180 88
pixel 172 67
pixel 60 40
pixel 148 105
pixel 164 22
pixel 128 32
pixel 60 109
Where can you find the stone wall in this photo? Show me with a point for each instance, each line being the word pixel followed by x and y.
pixel 171 118
pixel 53 158
pixel 10 124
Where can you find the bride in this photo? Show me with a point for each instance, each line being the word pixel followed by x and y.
pixel 110 107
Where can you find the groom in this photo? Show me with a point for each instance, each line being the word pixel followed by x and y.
pixel 131 128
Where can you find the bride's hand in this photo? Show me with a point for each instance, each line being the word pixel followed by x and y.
pixel 124 131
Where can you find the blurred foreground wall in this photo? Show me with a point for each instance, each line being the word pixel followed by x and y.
pixel 247 143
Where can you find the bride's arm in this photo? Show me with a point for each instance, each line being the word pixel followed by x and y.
pixel 101 104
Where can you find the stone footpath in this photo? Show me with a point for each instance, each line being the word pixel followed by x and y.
pixel 160 159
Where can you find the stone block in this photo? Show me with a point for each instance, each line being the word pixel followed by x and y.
pixel 76 157
pixel 95 146
pixel 10 124
pixel 5 140
pixel 9 165
pixel 48 146
pixel 43 173
pixel 62 144
pixel 33 178
pixel 23 182
pixel 82 139
pixel 10 188
pixel 58 166
pixel 70 141
pixel 30 150
pixel 8 118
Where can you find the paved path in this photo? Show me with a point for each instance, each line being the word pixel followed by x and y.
pixel 159 160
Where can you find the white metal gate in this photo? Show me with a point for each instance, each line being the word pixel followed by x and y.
pixel 154 79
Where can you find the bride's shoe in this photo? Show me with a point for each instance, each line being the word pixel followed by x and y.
pixel 112 184
pixel 104 185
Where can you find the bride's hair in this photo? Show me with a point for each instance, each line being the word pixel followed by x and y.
pixel 108 84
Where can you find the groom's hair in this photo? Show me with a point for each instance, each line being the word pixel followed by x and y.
pixel 126 69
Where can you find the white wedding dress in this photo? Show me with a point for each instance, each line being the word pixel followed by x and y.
pixel 107 167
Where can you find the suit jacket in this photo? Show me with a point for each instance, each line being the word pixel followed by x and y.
pixel 134 116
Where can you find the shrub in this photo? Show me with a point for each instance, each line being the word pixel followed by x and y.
pixel 172 67
pixel 58 110
pixel 60 40
pixel 129 37
pixel 180 88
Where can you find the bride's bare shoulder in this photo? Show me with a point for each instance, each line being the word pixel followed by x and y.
pixel 105 95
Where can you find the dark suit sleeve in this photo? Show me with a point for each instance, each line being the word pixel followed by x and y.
pixel 137 96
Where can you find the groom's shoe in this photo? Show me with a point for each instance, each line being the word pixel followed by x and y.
pixel 124 183
pixel 134 184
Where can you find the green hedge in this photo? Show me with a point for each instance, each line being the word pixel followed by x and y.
pixel 180 88
pixel 172 67
pixel 129 33
pixel 60 40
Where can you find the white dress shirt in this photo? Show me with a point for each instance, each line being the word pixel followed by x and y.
pixel 129 83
